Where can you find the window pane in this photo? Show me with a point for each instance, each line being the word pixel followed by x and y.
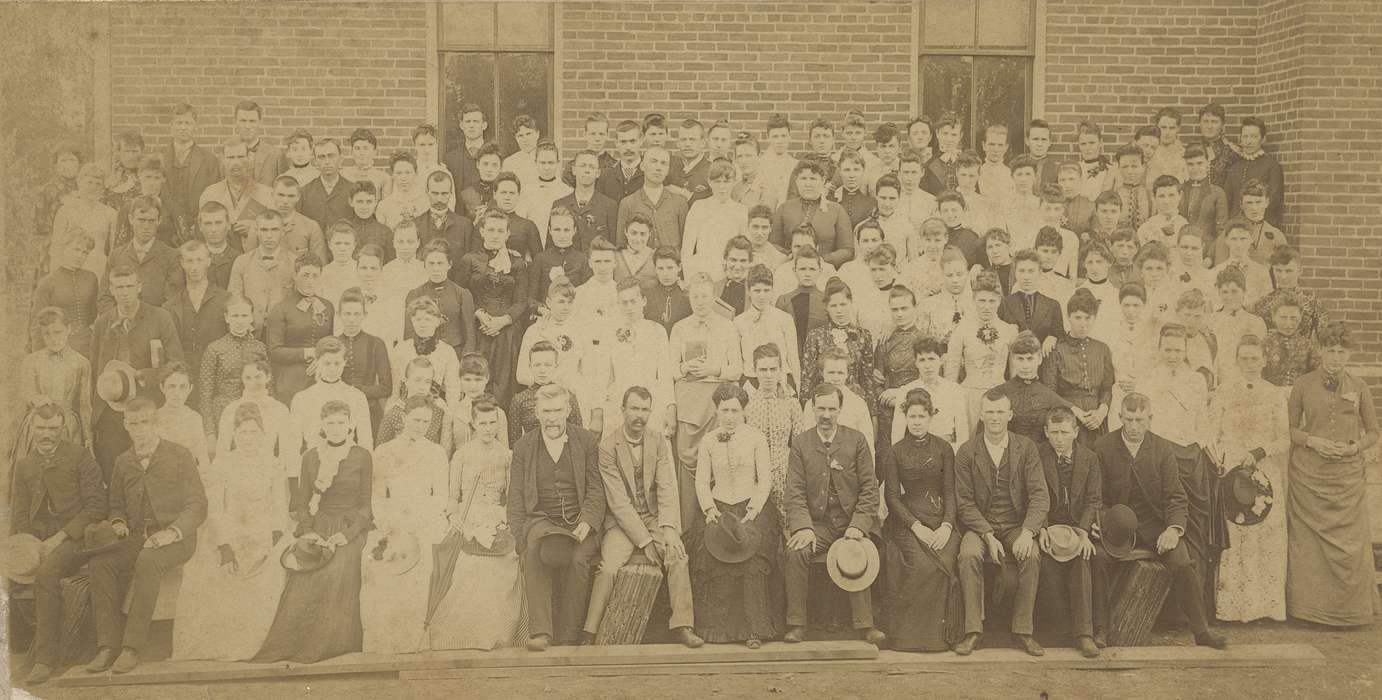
pixel 1005 23
pixel 467 25
pixel 948 23
pixel 946 84
pixel 1001 96
pixel 526 25
pixel 524 88
pixel 466 77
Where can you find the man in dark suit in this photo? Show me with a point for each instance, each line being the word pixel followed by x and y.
pixel 156 505
pixel 1075 482
pixel 190 167
pixel 645 514
pixel 461 159
pixel 596 214
pixel 326 199
pixel 199 307
pixel 57 493
pixel 159 266
pixel 555 487
pixel 440 222
pixel 831 492
pixel 1001 497
pixel 1027 308
pixel 1140 471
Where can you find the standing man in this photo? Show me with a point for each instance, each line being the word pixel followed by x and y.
pixel 1255 164
pixel 556 491
pixel 626 176
pixel 644 514
pixel 1074 479
pixel 1221 153
pixel 199 307
pixel 776 166
pixel 326 199
pixel 239 193
pixel 57 492
pixel 1038 147
pixel 158 264
pixel 191 168
pixel 1000 493
pixel 157 502
pixel 264 274
pixel 300 234
pixel 665 208
pixel 546 188
pixel 440 222
pixel 831 492
pixel 266 161
pixel 692 180
pixel 596 214
pixel 461 160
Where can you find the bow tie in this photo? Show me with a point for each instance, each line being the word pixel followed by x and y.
pixel 314 304
pixel 1064 460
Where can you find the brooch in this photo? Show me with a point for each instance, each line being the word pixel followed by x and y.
pixel 564 343
pixel 835 465
pixel 987 334
pixel 724 436
pixel 623 335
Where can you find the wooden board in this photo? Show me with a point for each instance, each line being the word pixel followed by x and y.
pixel 513 659
pixel 897 662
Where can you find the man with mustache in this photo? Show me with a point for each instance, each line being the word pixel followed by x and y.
pixel 239 193
pixel 57 493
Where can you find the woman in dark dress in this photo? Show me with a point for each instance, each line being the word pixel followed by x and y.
pixel 497 277
pixel 922 611
pixel 1080 368
pixel 319 612
pixel 294 326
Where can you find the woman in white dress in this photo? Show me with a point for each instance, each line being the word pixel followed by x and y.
pixel 84 211
pixel 235 572
pixel 483 609
pixel 1248 424
pixel 409 500
pixel 408 198
pixel 177 423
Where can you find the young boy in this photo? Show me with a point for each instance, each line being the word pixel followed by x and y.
pixel 367 357
pixel 1237 243
pixel 1124 269
pixel 1165 224
pixel 888 148
pixel 1131 187
pixel 558 327
pixel 1096 171
pixel 851 194
pixel 596 214
pixel 1031 398
pixel 806 302
pixel 1189 267
pixel 1232 321
pixel 751 189
pixel 984 212
pixel 951 207
pixel 1039 148
pixel 307 404
pixel 785 275
pixel 977 354
pixel 596 137
pixel 950 422
pixel 1285 266
pixel 1023 216
pixel 198 307
pixel 1053 217
pixel 775 167
pixel 363 147
pixel 561 257
pixel 1050 252
pixel 1028 308
pixel 597 297
pixel 341 273
pixel 948 136
pixel 1202 202
pixel 298 148
pixel 914 201
pixel 1108 211
pixel 174 224
pixel 998 246
pixel 364 198
pixel 1079 210
pixel 542 367
pixel 480 193
pixel 666 301
pixel 940 314
pixel 1096 260
pixel 995 177
pixel 1263 238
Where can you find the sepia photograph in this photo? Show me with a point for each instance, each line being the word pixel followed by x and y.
pixel 688 348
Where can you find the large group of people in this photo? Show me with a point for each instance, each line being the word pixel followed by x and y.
pixel 440 404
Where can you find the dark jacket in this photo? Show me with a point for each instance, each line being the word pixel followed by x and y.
pixel 834 234
pixel 583 449
pixel 160 274
pixel 69 478
pixel 1153 471
pixel 599 217
pixel 974 488
pixel 185 186
pixel 456 230
pixel 172 484
pixel 323 208
pixel 199 328
pixel 1047 319
pixel 107 343
pixel 809 476
pixel 462 166
pixel 1086 490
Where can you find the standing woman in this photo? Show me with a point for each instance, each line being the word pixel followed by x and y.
pixel 1329 576
pixel 418 377
pixel 84 211
pixel 841 331
pixel 735 602
pixel 241 541
pixel 774 410
pixel 1080 368
pixel 294 326
pixel 406 200
pixel 918 475
pixel 497 276
pixel 318 614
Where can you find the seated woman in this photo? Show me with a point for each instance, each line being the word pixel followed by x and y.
pixel 483 609
pixel 426 317
pixel 410 474
pixel 735 602
pixel 318 614
pixel 921 545
pixel 417 381
pixel 238 548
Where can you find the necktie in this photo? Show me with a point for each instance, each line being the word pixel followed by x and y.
pixel 1028 302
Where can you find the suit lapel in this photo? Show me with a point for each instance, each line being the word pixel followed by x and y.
pixel 649 472
pixel 624 457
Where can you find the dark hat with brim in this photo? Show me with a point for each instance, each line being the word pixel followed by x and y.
pixel 1118 531
pixel 1247 495
pixel 305 555
pixel 557 548
pixel 98 537
pixel 731 540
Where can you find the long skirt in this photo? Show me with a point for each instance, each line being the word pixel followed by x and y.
pixel 738 602
pixel 1206 531
pixel 393 605
pixel 502 353
pixel 1330 575
pixel 1252 573
pixel 484 608
pixel 923 611
pixel 319 612
pixel 235 613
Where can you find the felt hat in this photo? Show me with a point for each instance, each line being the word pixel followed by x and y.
pixel 117 384
pixel 1118 531
pixel 20 556
pixel 99 537
pixel 1247 495
pixel 852 564
pixel 731 540
pixel 250 558
pixel 1063 542
pixel 503 545
pixel 557 548
pixel 391 552
pixel 305 555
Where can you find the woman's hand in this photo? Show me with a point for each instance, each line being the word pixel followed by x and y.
pixel 941 536
pixel 337 540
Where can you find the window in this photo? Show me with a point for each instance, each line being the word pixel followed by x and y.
pixel 499 56
pixel 976 61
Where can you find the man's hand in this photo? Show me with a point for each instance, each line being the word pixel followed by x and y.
pixel 804 538
pixel 889 397
pixel 1048 345
pixel 712 514
pixel 1044 540
pixel 1095 531
pixel 672 547
pixel 121 530
pixel 1024 546
pixel 1170 537
pixel 669 428
pixel 1086 547
pixel 854 533
pixel 582 530
pixel 650 551
pixel 995 548
pixel 160 539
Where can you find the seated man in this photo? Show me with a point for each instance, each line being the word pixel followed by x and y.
pixel 1140 471
pixel 644 514
pixel 823 507
pixel 156 504
pixel 555 489
pixel 57 493
pixel 1001 497
pixel 1074 481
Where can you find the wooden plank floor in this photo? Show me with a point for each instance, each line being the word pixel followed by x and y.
pixel 512 660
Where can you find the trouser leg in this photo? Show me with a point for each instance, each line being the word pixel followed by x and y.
pixel 60 563
pixel 615 551
pixel 1186 586
pixel 537 586
pixel 575 594
pixel 1028 577
pixel 108 571
pixel 971 567
pixel 149 568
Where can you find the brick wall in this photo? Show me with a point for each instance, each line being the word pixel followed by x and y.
pixel 326 67
pixel 736 60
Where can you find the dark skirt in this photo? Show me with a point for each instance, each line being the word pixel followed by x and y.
pixel 319 612
pixel 738 602
pixel 922 608
pixel 502 353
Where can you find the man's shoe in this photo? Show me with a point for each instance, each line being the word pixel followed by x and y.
pixel 1211 639
pixel 129 658
pixel 689 638
pixel 794 635
pixel 539 642
pixel 1029 645
pixel 40 674
pixel 105 656
pixel 1100 640
pixel 875 636
pixel 966 646
pixel 1087 647
pixel 587 639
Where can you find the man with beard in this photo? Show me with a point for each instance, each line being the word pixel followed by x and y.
pixel 440 222
pixel 239 193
